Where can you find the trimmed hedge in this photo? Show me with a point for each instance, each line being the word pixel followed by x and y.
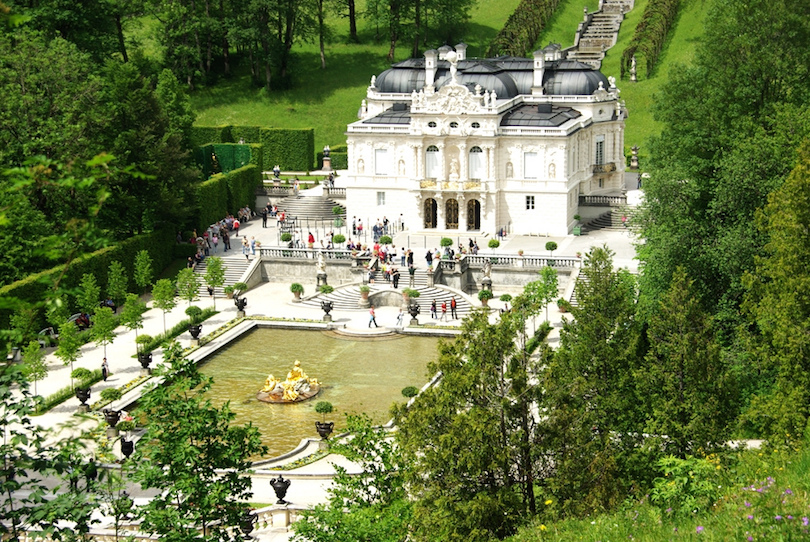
pixel 650 35
pixel 339 155
pixel 32 289
pixel 230 156
pixel 520 33
pixel 226 192
pixel 291 149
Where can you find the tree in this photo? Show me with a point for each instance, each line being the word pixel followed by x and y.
pixel 188 286
pixel 163 298
pixel 551 246
pixel 372 505
pixel 89 293
pixel 544 291
pixel 194 455
pixel 144 271
pixel 132 313
pixel 116 283
pixel 461 438
pixel 591 425
pixel 103 330
pixel 683 383
pixel 214 275
pixel 70 344
pixel 34 366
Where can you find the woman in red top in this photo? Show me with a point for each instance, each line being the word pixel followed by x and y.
pixel 311 240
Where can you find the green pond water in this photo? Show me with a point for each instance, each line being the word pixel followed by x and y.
pixel 355 375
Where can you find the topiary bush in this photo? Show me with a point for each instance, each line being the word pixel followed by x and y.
pixel 286 237
pixel 493 243
pixel 339 239
pixel 446 242
pixel 296 288
pixel 386 240
pixel 323 408
pixel 410 391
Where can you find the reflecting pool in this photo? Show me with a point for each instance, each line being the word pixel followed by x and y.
pixel 355 376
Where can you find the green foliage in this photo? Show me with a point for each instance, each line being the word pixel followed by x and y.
pixel 296 287
pixel 188 443
pixel 286 237
pixel 34 366
pixel 371 505
pixel 188 286
pixel 519 34
pixel 411 293
pixel 386 240
pixel 505 298
pixel 493 243
pixel 214 274
pixel 239 288
pixel 132 313
pixel 339 239
pixel 410 391
pixel 294 150
pixel 144 271
pixel 688 485
pixel 194 312
pixel 229 156
pixel 103 330
pixel 651 34
pixel 337 210
pixel 117 282
pixel 111 394
pixel 63 394
pixel 326 289
pixel 178 329
pixel 446 242
pixel 551 246
pixel 485 294
pixel 324 407
pixel 89 293
pixel 224 192
pixel 80 373
pixel 70 345
pixel 163 297
pixel 365 289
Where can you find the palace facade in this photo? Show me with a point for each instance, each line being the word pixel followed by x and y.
pixel 455 144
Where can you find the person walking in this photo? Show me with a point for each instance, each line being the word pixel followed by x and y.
pixel 403 257
pixel 311 241
pixel 236 228
pixel 105 369
pixel 429 258
pixel 412 274
pixel 372 317
pixel 444 311
pixel 245 248
pixel 264 217
pixel 226 240
pixel 399 317
pixel 395 277
pixel 453 304
pixel 253 246
pixel 433 309
pixel 215 242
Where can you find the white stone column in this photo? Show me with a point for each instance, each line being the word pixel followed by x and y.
pixel 462 211
pixel 420 169
pixel 442 166
pixel 463 162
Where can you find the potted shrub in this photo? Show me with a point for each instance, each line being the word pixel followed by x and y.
pixel 493 243
pixel 484 296
pixel 239 288
pixel 386 240
pixel 520 252
pixel 144 356
pixel 82 391
pixel 127 424
pixel 562 304
pixel 323 427
pixel 364 290
pixel 195 328
pixel 409 293
pixel 446 242
pixel 229 292
pixel 326 289
pixel 297 289
pixel 111 394
pixel 286 237
pixel 338 239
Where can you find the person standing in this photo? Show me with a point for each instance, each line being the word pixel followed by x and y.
pixel 253 246
pixel 399 317
pixel 395 277
pixel 433 309
pixel 429 258
pixel 245 248
pixel 412 273
pixel 372 317
pixel 311 240
pixel 105 369
pixel 236 227
pixel 354 226
pixel 264 217
pixel 453 304
pixel 226 240
pixel 409 261
pixel 444 311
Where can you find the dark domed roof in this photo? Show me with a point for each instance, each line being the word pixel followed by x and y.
pixel 569 77
pixel 507 76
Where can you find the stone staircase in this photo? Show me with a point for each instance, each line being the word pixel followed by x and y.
pixel 599 32
pixel 310 207
pixel 235 266
pixel 611 220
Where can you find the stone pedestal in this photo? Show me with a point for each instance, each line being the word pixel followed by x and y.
pixel 240 314
pixel 364 303
pixel 321 280
pixel 327 317
pixel 327 163
pixel 83 409
pixel 195 342
pixel 486 283
pixel 112 432
pixel 146 372
pixel 430 279
pixel 414 322
pixel 280 515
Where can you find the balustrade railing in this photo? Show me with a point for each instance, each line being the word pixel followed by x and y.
pixel 305 253
pixel 516 260
pixel 602 201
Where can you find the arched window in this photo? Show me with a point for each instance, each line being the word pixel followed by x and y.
pixel 476 125
pixel 432 162
pixel 476 163
pixel 431 124
pixel 454 124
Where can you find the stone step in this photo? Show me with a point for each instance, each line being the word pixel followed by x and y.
pixel 348 298
pixel 314 207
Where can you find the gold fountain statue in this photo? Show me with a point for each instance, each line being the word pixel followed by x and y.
pixel 297 387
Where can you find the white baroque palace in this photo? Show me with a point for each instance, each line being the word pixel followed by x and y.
pixel 456 144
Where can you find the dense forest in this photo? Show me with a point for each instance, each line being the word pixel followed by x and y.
pixel 654 373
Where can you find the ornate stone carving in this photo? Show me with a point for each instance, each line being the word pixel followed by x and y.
pixel 451 99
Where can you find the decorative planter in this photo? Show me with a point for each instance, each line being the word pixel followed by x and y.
pixel 324 429
pixel 414 309
pixel 127 447
pixel 327 308
pixel 280 486
pixel 297 298
pixel 247 522
pixel 83 395
pixel 145 358
pixel 195 331
pixel 111 417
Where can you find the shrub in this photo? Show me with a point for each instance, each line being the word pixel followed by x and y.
pixel 650 35
pixel 323 408
pixel 66 393
pixel 337 210
pixel 493 243
pixel 194 312
pixel 239 288
pixel 80 373
pixel 365 289
pixel 296 288
pixel 551 246
pixel 339 239
pixel 326 289
pixel 523 27
pixel 506 298
pixel 485 294
pixel 446 242
pixel 410 391
pixel 386 240
pixel 410 292
pixel 111 394
pixel 286 237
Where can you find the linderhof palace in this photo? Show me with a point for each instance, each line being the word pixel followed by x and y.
pixel 456 144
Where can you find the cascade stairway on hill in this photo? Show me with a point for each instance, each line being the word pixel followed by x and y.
pixel 601 33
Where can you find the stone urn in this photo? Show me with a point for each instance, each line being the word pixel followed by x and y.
pixel 414 309
pixel 327 307
pixel 127 447
pixel 195 331
pixel 83 395
pixel 145 358
pixel 247 523
pixel 324 429
pixel 111 417
pixel 280 486
pixel 240 303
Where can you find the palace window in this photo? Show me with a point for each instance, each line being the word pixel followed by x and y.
pixel 381 162
pixel 432 162
pixel 529 203
pixel 476 125
pixel 431 124
pixel 454 124
pixel 531 165
pixel 600 150
pixel 476 163
pixel 380 199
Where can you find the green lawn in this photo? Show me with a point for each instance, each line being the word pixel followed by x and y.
pixel 329 99
pixel 563 25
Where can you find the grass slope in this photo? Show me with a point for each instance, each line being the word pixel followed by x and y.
pixel 759 497
pixel 329 99
pixel 562 27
